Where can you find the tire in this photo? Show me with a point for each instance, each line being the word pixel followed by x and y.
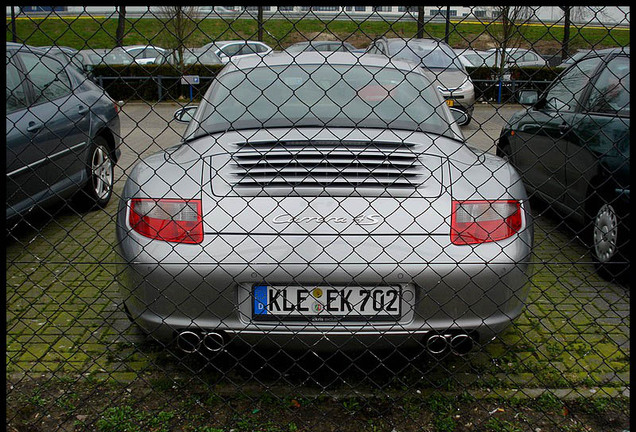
pixel 100 170
pixel 608 242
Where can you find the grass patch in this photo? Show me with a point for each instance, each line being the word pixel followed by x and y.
pixel 91 32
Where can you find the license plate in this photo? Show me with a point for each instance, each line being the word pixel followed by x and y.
pixel 450 102
pixel 326 303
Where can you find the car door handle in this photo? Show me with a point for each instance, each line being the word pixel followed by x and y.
pixel 34 127
pixel 82 109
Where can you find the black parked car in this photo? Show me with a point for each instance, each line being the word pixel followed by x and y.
pixel 572 150
pixel 63 134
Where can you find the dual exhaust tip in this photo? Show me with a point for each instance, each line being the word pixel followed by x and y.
pixel 459 344
pixel 190 341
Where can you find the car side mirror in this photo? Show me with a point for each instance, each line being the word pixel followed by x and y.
pixel 186 114
pixel 459 116
pixel 528 97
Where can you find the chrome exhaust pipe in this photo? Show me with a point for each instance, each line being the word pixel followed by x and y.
pixel 214 342
pixel 436 344
pixel 461 344
pixel 188 341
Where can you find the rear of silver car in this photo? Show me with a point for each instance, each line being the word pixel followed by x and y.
pixel 338 241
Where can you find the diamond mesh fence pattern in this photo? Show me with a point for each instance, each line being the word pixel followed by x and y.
pixel 300 218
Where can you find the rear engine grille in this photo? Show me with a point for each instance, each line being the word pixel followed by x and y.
pixel 326 168
pixel 326 165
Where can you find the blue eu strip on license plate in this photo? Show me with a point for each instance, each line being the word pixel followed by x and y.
pixel 260 300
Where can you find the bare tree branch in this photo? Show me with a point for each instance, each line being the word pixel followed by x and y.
pixel 179 22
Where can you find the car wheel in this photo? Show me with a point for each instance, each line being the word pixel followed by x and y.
pixel 100 169
pixel 468 119
pixel 606 240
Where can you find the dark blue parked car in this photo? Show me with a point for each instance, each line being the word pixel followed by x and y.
pixel 63 134
pixel 572 147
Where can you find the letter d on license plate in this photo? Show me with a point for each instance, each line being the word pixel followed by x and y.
pixel 325 303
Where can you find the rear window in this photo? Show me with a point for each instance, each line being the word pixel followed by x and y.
pixel 321 95
pixel 429 56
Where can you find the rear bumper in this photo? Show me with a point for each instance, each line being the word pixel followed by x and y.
pixel 442 293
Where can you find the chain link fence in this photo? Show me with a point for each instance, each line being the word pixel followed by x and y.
pixel 317 218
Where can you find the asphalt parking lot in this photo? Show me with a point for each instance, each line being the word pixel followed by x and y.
pixel 64 312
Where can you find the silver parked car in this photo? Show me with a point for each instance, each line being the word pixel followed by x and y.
pixel 322 46
pixel 442 64
pixel 323 203
pixel 106 56
pixel 191 56
pixel 518 57
pixel 144 54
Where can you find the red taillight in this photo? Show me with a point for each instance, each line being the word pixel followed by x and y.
pixel 484 221
pixel 170 220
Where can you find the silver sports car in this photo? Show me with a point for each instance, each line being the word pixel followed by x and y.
pixel 323 203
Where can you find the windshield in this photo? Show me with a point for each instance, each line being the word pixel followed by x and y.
pixel 576 57
pixel 430 56
pixel 478 60
pixel 321 95
pixel 118 57
pixel 297 48
pixel 202 57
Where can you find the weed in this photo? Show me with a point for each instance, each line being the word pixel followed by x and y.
pixel 444 423
pixel 465 397
pixel 441 406
pixel 497 425
pixel 269 399
pixel 208 429
pixel 247 424
pixel 352 405
pixel 552 378
pixel 438 403
pixel 411 405
pixel 554 349
pixel 581 348
pixel 601 405
pixel 118 419
pixel 588 381
pixel 163 383
pixel 213 399
pixel 65 402
pixel 548 402
pixel 36 399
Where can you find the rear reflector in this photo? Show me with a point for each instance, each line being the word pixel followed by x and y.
pixel 170 220
pixel 484 221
